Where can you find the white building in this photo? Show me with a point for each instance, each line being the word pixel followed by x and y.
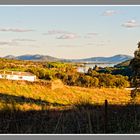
pixel 14 75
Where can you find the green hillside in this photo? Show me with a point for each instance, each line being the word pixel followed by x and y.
pixel 64 101
pixel 123 64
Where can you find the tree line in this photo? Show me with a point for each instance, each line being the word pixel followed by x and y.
pixel 67 72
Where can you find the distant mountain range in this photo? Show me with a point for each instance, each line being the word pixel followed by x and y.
pixel 36 57
pixel 113 59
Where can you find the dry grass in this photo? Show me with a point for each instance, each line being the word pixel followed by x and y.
pixel 67 96
pixel 35 108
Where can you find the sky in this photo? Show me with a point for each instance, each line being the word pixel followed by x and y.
pixel 69 31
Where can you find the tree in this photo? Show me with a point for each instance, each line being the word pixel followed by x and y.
pixel 96 68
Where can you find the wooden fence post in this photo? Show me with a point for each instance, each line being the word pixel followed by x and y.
pixel 106 117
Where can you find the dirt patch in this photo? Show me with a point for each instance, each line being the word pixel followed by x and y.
pixel 57 84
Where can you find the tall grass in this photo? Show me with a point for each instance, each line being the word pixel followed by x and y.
pixel 33 93
pixel 27 107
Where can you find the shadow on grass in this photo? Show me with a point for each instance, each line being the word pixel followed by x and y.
pixel 80 119
pixel 21 100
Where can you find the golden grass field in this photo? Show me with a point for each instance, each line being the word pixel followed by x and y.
pixel 37 108
pixel 26 96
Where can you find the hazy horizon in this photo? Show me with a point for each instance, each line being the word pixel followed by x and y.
pixel 65 58
pixel 69 32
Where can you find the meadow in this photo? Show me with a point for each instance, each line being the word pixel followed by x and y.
pixel 63 101
pixel 63 96
pixel 30 108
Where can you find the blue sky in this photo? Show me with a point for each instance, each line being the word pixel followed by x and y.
pixel 69 31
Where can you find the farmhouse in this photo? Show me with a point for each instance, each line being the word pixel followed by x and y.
pixel 14 75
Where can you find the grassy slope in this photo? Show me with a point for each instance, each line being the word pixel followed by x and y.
pixel 125 63
pixel 35 108
pixel 32 96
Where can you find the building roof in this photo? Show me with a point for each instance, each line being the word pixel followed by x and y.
pixel 17 73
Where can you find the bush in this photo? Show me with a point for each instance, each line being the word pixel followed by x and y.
pixel 108 80
pixel 93 79
pixel 87 81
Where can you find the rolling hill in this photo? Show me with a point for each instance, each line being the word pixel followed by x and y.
pixel 123 64
pixel 112 59
pixel 37 57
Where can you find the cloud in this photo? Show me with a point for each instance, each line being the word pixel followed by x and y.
pixel 96 44
pixel 99 43
pixel 15 30
pixel 109 13
pixel 7 43
pixel 90 35
pixel 22 39
pixel 68 36
pixel 131 24
pixel 56 32
pixel 61 34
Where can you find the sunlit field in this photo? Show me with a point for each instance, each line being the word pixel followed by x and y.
pixel 37 108
pixel 32 96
